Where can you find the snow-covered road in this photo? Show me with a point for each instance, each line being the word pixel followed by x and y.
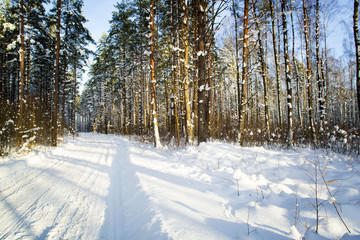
pixel 64 193
pixel 105 187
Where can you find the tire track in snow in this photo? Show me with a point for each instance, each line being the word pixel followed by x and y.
pixel 113 227
pixel 39 202
pixel 24 180
pixel 32 207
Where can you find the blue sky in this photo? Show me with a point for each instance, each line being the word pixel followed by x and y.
pixel 98 13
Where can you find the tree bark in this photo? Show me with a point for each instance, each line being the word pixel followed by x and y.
pixel 22 64
pixel 237 59
pixel 73 117
pixel 152 75
pixel 278 83
pixel 263 73
pixel 308 74
pixel 243 96
pixel 194 116
pixel 295 69
pixel 174 129
pixel 319 80
pixel 202 123
pixel 57 77
pixel 287 76
pixel 142 74
pixel 189 126
pixel 357 51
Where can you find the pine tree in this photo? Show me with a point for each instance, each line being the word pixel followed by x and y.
pixel 319 78
pixel 278 83
pixel 357 50
pixel 202 123
pixel 308 73
pixel 152 75
pixel 185 22
pixel 57 77
pixel 287 76
pixel 243 94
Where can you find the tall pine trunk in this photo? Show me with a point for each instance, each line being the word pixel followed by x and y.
pixel 22 64
pixel 73 117
pixel 57 77
pixel 202 123
pixel 243 96
pixel 189 126
pixel 287 76
pixel 308 73
pixel 152 75
pixel 174 129
pixel 237 58
pixel 319 79
pixel 194 116
pixel 263 73
pixel 295 69
pixel 142 74
pixel 278 83
pixel 357 51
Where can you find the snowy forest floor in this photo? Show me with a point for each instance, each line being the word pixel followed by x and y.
pixel 108 187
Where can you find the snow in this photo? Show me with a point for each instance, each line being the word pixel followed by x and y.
pixel 9 26
pixel 201 53
pixel 201 88
pixel 11 46
pixel 147 53
pixel 109 187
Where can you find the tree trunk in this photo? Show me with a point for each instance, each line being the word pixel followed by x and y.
pixel 278 83
pixel 142 74
pixel 237 60
pixel 295 69
pixel 263 73
pixel 308 74
pixel 174 129
pixel 22 64
pixel 57 76
pixel 189 126
pixel 202 123
pixel 243 96
pixel 319 80
pixel 152 75
pixel 194 116
pixel 73 117
pixel 124 93
pixel 357 51
pixel 287 76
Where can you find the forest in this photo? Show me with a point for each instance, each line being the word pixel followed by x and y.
pixel 180 72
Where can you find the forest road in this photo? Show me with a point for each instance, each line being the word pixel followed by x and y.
pixel 74 191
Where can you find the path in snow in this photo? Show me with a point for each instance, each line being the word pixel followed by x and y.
pixel 71 192
pixel 104 187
